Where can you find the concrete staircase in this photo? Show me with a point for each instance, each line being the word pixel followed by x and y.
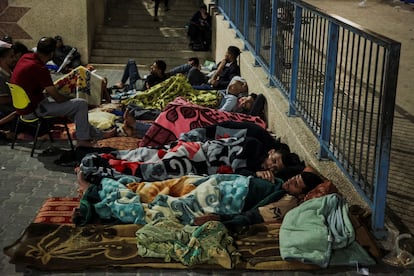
pixel 130 32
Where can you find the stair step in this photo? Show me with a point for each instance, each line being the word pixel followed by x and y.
pixel 143 62
pixel 143 23
pixel 170 45
pixel 129 32
pixel 136 40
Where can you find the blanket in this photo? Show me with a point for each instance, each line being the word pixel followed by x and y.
pixel 170 161
pixel 317 228
pixel 81 83
pixel 57 247
pixel 190 245
pixel 181 116
pixel 112 201
pixel 160 95
pixel 65 248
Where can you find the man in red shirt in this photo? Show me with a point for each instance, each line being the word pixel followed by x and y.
pixel 33 76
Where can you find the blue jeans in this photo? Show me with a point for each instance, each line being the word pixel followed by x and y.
pixel 131 73
pixel 141 128
pixel 204 86
pixel 183 69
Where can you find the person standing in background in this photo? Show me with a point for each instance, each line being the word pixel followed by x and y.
pixel 157 6
pixel 199 28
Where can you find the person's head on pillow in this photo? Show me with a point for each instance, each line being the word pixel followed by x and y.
pixel 238 86
pixel 302 183
pixel 281 159
pixel 245 103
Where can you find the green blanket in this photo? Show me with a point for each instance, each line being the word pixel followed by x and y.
pixel 320 232
pixel 158 96
pixel 190 245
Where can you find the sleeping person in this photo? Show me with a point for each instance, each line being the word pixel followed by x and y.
pixel 217 150
pixel 189 199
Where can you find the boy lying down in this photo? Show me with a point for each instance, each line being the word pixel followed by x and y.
pixel 236 200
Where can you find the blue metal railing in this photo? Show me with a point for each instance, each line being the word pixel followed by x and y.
pixel 340 78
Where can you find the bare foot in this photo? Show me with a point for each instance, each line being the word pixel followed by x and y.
pixel 109 133
pixel 129 123
pixel 129 120
pixel 128 131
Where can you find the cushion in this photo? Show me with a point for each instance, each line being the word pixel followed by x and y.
pixel 275 211
pixel 58 210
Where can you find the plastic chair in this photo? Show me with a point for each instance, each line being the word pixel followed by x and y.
pixel 20 101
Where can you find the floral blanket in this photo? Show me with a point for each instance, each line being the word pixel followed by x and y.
pixel 181 116
pixel 81 83
pixel 170 161
pixel 113 201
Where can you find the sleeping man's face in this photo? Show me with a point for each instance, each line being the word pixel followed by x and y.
pixel 237 87
pixel 294 185
pixel 273 162
pixel 246 102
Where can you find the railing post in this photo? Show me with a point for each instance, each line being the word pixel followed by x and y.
pixel 258 26
pixel 328 90
pixel 382 161
pixel 295 62
pixel 273 32
pixel 237 15
pixel 246 21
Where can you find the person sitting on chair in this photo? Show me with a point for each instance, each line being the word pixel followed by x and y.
pixel 32 75
pixel 6 106
pixel 9 55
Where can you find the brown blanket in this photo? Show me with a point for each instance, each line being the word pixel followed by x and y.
pixel 57 247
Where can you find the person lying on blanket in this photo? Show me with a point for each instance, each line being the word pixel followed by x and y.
pixel 158 96
pixel 247 149
pixel 264 210
pixel 191 199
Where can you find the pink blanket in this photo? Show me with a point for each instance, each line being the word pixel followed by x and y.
pixel 181 116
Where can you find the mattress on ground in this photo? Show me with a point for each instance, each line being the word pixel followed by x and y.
pixel 52 243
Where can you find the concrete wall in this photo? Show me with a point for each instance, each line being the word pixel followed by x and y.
pixel 74 20
pixel 292 130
